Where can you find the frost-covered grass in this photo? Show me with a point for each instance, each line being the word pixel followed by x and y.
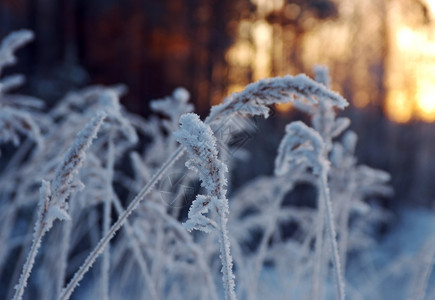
pixel 97 202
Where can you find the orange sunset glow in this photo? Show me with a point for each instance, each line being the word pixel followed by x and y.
pixel 394 33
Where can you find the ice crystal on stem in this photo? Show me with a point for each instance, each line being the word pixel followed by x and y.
pixel 254 100
pixel 301 144
pixel 65 173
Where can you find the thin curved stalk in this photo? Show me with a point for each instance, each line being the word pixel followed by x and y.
pixel 105 266
pixel 63 252
pixel 136 251
pixel 343 230
pixel 227 262
pixel 66 293
pixel 324 190
pixel 318 250
pixel 28 265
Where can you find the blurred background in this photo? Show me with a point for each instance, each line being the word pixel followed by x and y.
pixel 381 55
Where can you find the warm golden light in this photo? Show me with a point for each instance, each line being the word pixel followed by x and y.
pixel 426 102
pixel 262 35
pixel 361 99
pixel 283 107
pixel 386 59
pixel 398 107
pixel 413 70
pixel 241 53
pixel 406 39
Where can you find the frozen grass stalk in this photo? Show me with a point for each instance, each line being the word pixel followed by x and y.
pixel 105 266
pixel 304 145
pixel 53 203
pixel 332 233
pixel 10 44
pixel 199 141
